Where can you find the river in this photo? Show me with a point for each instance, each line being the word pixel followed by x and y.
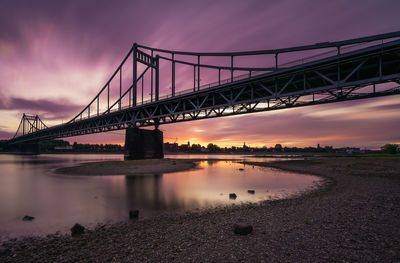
pixel 29 186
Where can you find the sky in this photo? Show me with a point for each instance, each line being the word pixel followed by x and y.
pixel 56 55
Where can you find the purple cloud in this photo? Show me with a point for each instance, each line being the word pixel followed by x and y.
pixel 48 108
pixel 5 135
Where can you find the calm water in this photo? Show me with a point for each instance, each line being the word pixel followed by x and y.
pixel 29 186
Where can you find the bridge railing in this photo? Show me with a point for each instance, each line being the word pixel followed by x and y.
pixel 207 86
pixel 328 54
pixel 258 71
pixel 339 47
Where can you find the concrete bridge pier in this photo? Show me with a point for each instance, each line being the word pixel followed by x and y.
pixel 143 144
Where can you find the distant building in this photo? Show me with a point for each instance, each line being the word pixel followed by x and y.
pixel 183 148
pixel 353 150
pixel 245 147
pixel 348 150
pixel 63 148
pixel 170 147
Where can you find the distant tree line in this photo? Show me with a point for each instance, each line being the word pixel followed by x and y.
pixel 64 146
pixel 97 147
pixel 278 148
pixel 390 148
pixel 48 146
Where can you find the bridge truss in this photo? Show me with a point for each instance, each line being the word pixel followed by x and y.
pixel 29 124
pixel 355 69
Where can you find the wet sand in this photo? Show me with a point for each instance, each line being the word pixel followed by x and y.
pixel 354 216
pixel 133 167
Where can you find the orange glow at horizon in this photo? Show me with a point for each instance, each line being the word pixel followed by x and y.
pixel 229 142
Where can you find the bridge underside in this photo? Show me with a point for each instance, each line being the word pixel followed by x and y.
pixel 344 77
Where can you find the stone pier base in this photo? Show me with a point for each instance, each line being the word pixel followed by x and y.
pixel 143 144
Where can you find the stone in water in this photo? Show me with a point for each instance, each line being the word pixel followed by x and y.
pixel 28 218
pixel 232 196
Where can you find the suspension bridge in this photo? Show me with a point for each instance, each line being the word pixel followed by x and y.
pixel 144 91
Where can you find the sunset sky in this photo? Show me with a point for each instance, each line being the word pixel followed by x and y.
pixel 56 55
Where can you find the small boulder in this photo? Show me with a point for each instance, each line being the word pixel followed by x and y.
pixel 251 192
pixel 77 229
pixel 232 196
pixel 28 218
pixel 133 214
pixel 241 169
pixel 242 228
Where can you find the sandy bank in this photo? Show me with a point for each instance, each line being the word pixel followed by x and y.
pixel 133 167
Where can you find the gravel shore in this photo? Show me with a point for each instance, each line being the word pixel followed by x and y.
pixel 354 216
